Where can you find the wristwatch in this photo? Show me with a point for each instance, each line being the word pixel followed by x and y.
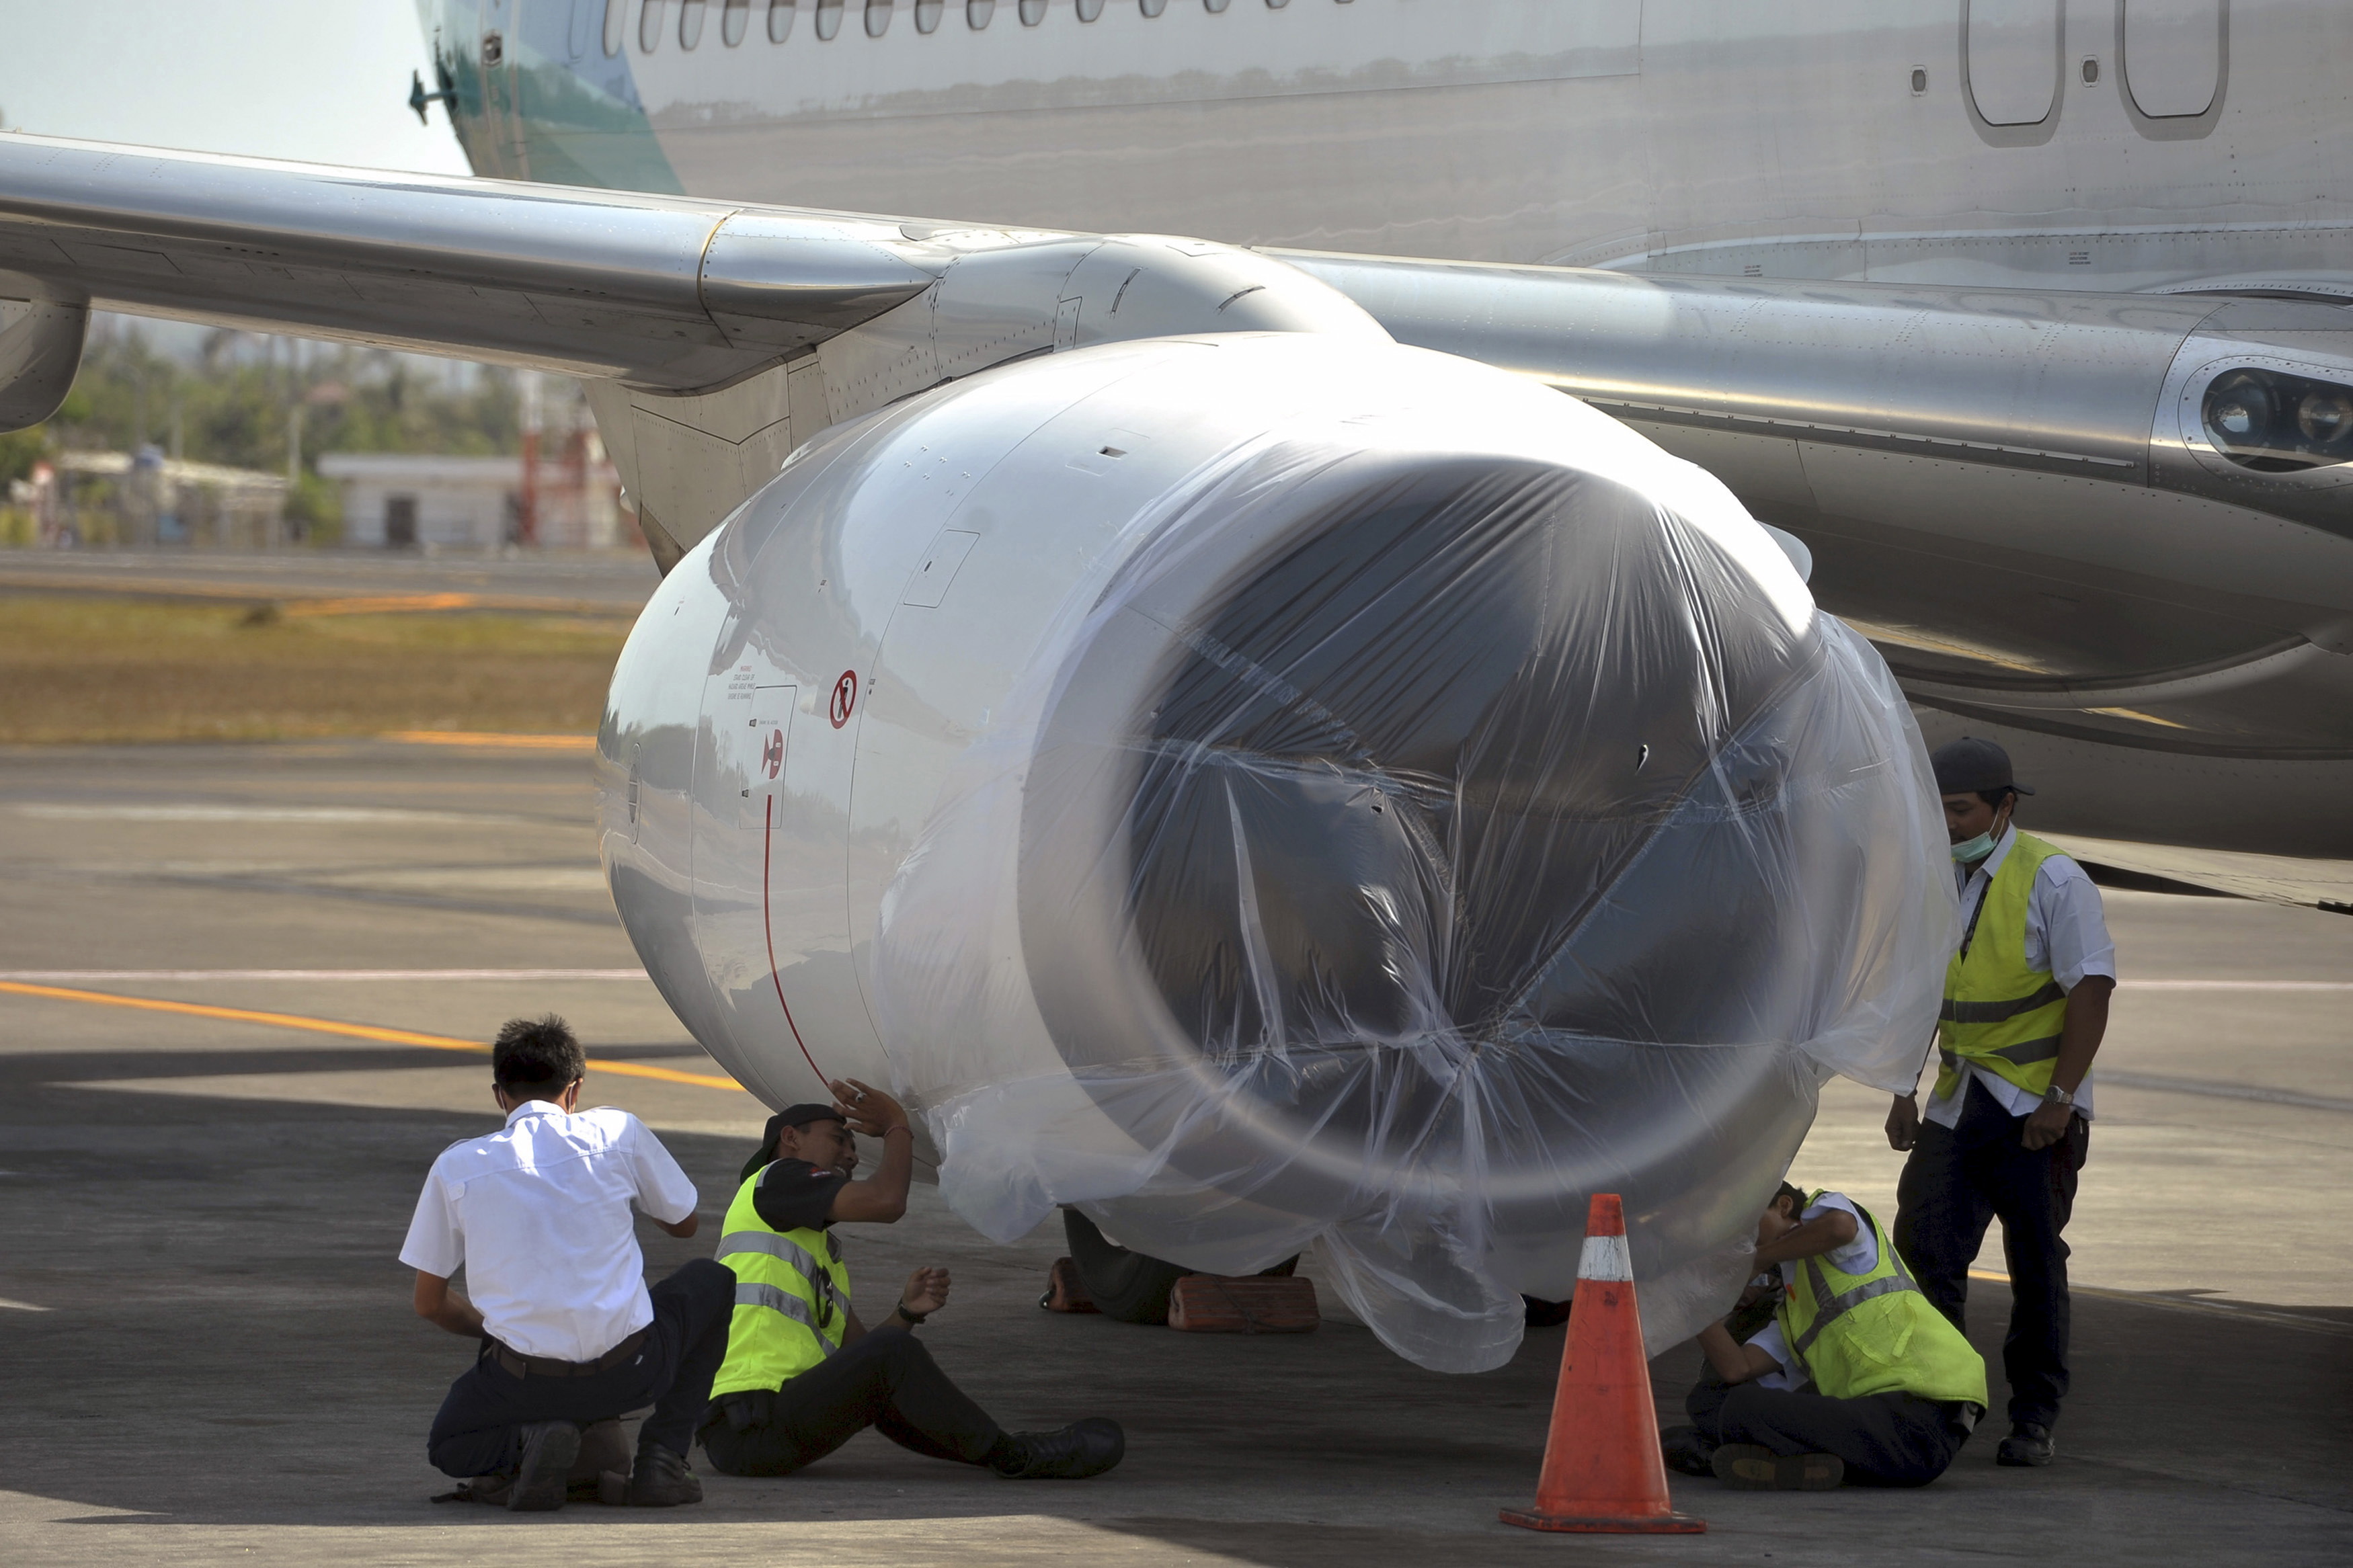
pixel 2058 1096
pixel 911 1318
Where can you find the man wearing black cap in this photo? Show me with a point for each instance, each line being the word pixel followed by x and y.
pixel 803 1375
pixel 2026 1002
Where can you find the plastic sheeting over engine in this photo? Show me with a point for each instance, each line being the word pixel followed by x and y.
pixel 1332 795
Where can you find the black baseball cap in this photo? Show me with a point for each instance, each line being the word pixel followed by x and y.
pixel 1968 765
pixel 790 1116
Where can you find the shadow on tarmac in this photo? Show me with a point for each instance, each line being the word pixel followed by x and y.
pixel 228 1343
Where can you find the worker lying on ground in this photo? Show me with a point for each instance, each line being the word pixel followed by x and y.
pixel 1896 1388
pixel 803 1375
pixel 538 1214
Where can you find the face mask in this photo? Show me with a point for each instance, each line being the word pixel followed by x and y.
pixel 1970 851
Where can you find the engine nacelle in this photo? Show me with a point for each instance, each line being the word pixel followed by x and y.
pixel 1266 789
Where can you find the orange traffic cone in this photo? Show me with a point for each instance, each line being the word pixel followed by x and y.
pixel 1602 1468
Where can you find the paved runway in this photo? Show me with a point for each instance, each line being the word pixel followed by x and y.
pixel 206 1352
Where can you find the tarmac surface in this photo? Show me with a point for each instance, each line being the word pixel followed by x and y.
pixel 207 1355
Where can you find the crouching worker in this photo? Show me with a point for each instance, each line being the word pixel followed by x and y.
pixel 1894 1391
pixel 803 1375
pixel 539 1214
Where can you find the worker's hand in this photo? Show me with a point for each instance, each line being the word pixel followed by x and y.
pixel 1903 1123
pixel 868 1109
pixel 2047 1125
pixel 926 1291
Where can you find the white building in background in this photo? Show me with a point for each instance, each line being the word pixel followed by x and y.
pixel 401 501
pixel 405 501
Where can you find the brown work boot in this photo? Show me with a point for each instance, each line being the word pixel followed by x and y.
pixel 1753 1468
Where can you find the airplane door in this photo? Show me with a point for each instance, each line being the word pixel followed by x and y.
pixel 2173 55
pixel 2012 59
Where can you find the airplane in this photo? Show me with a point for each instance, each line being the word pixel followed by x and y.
pixel 2028 324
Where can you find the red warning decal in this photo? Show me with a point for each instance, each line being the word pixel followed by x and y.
pixel 772 755
pixel 845 698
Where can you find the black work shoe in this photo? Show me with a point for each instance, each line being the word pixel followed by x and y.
pixel 1752 1467
pixel 661 1478
pixel 1084 1448
pixel 1687 1453
pixel 548 1449
pixel 2028 1447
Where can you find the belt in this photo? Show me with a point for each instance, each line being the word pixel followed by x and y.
pixel 519 1366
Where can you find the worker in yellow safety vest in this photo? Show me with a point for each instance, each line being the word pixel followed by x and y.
pixel 1857 1377
pixel 2009 1125
pixel 803 1375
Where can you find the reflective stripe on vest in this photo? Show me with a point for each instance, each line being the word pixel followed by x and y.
pixel 1860 1334
pixel 792 1298
pixel 2000 1014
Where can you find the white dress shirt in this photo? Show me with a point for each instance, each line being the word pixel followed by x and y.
pixel 538 1213
pixel 2065 934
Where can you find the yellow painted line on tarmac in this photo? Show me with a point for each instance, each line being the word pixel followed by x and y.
pixel 378 604
pixel 335 1026
pixel 491 741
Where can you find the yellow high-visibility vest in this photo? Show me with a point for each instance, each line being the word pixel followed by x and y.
pixel 2000 1014
pixel 1860 1334
pixel 792 1298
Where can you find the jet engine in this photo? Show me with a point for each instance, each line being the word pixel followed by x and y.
pixel 1280 789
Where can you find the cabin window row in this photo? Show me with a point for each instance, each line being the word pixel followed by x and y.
pixel 735 16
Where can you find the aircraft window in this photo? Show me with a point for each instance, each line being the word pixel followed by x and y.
pixel 780 20
pixel 2276 423
pixel 976 13
pixel 828 18
pixel 616 24
pixel 877 17
pixel 927 14
pixel 1090 9
pixel 1919 81
pixel 690 23
pixel 1276 4
pixel 732 21
pixel 1032 11
pixel 649 28
pixel 1214 7
pixel 1151 7
pixel 2090 69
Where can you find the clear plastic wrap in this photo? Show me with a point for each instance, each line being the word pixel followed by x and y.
pixel 1398 844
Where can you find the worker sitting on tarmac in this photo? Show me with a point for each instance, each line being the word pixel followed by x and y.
pixel 803 1375
pixel 1896 1389
pixel 538 1214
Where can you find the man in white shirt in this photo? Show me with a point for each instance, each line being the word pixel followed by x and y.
pixel 2009 1126
pixel 538 1214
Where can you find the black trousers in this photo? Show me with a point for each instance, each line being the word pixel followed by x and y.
pixel 884 1379
pixel 478 1431
pixel 1129 1285
pixel 1125 1284
pixel 1956 1180
pixel 1885 1439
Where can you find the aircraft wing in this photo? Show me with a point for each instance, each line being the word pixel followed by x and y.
pixel 665 293
pixel 2125 520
